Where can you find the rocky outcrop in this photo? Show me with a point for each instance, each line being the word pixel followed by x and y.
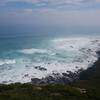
pixel 40 68
pixel 57 78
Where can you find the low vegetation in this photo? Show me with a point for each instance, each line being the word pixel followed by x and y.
pixel 49 92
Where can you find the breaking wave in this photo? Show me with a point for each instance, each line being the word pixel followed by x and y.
pixel 33 50
pixel 7 62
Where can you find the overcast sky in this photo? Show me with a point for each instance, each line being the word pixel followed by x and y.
pixel 50 16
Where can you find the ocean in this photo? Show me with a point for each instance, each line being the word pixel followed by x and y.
pixel 26 57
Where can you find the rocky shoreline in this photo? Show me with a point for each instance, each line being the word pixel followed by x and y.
pixel 58 78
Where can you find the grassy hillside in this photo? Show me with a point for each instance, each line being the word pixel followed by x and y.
pixel 91 77
pixel 48 92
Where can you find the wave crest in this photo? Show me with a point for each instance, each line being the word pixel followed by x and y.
pixel 32 50
pixel 7 61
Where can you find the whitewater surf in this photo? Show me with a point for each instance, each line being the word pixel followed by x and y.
pixel 54 55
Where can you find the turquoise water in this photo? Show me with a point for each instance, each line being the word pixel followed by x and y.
pixel 20 55
pixel 9 46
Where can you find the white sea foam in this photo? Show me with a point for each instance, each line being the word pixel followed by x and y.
pixel 7 61
pixel 70 43
pixel 33 50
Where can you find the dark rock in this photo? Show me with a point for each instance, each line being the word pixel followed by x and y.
pixel 76 67
pixel 56 74
pixel 35 81
pixel 64 74
pixel 26 75
pixel 57 78
pixel 90 50
pixel 98 52
pixel 40 68
pixel 4 82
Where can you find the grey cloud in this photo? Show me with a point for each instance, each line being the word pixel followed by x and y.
pixel 49 2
